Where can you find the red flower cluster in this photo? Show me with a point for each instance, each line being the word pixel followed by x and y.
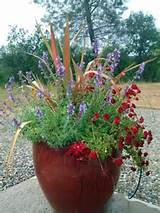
pixel 106 116
pixel 132 91
pixel 81 152
pixel 118 161
pixel 95 116
pixel 116 120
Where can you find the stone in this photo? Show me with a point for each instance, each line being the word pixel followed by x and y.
pixel 27 197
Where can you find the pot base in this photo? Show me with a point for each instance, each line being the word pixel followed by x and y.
pixel 73 186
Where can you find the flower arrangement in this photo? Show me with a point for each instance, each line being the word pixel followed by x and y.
pixel 83 108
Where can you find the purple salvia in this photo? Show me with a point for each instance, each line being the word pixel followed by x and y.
pixel 40 94
pixel 29 76
pixel 98 80
pixel 70 109
pixel 69 88
pixel 60 69
pixel 82 108
pixel 109 98
pixel 39 113
pixel 140 71
pixel 113 59
pixel 44 58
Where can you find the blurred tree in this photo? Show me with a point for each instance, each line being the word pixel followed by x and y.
pixel 98 18
pixel 142 35
pixel 14 57
pixel 142 39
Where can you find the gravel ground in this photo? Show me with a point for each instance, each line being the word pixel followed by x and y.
pixel 148 191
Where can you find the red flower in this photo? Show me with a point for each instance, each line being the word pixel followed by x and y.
pixel 114 91
pixel 86 151
pixel 118 161
pixel 127 129
pixel 120 110
pixel 125 106
pixel 136 143
pixel 141 120
pixel 106 116
pixel 130 115
pixel 108 68
pixel 134 130
pixel 120 145
pixel 145 134
pixel 117 120
pixel 121 139
pixel 128 139
pixel 93 155
pixel 134 86
pixel 141 143
pixel 133 105
pixel 96 116
pixel 113 101
pixel 145 154
pixel 91 74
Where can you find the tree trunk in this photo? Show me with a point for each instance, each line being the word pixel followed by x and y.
pixel 89 20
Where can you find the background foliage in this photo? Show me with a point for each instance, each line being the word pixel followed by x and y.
pixel 137 36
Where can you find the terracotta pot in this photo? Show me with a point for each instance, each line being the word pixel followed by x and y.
pixel 73 186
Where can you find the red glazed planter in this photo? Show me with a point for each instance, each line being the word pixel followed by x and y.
pixel 73 186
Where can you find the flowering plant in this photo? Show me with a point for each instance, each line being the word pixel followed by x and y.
pixel 84 109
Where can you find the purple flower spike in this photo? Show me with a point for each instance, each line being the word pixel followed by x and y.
pixel 98 80
pixel 29 76
pixel 70 109
pixel 140 71
pixel 69 88
pixel 44 58
pixel 109 98
pixel 113 59
pixel 82 108
pixel 60 70
pixel 40 94
pixel 38 112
